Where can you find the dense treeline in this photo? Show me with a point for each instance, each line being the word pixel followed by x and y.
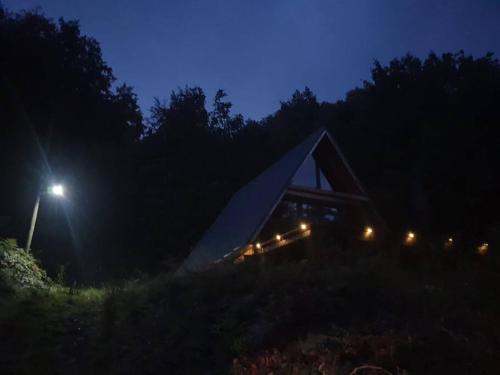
pixel 421 135
pixel 61 119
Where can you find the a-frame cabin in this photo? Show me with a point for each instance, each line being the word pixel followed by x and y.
pixel 312 186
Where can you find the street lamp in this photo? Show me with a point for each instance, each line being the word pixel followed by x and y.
pixel 56 190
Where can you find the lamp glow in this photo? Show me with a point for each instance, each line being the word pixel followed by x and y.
pixel 483 249
pixel 258 245
pixel 57 190
pixel 303 226
pixel 278 237
pixel 410 238
pixel 368 233
pixel 449 243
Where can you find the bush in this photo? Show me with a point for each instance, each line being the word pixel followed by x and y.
pixel 18 267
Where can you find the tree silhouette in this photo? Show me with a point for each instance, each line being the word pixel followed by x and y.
pixel 421 134
pixel 61 118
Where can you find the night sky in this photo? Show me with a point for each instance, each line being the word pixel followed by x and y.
pixel 260 51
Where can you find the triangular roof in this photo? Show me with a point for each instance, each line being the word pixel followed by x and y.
pixel 248 210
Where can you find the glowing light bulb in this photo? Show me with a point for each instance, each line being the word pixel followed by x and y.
pixel 278 237
pixel 410 238
pixel 368 233
pixel 258 245
pixel 303 226
pixel 57 190
pixel 483 249
pixel 449 243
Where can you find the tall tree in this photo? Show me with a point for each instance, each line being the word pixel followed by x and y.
pixel 61 120
pixel 422 135
pixel 221 119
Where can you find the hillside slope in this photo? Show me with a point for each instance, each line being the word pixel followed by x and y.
pixel 249 319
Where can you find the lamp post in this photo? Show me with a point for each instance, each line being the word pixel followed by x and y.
pixel 56 190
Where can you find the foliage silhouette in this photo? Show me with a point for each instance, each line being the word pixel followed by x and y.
pixel 420 134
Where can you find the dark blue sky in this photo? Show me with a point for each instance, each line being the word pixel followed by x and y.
pixel 260 51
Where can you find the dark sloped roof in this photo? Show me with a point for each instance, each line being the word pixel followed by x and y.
pixel 247 211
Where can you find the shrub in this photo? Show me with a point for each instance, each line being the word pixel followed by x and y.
pixel 18 267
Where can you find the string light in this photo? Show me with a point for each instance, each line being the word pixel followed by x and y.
pixel 448 244
pixel 483 248
pixel 368 233
pixel 410 238
pixel 302 231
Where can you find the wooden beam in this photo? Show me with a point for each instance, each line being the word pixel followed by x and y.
pixel 327 197
pixel 318 174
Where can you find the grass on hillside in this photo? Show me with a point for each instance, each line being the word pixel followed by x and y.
pixel 248 318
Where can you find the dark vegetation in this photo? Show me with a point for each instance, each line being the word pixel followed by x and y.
pixel 302 317
pixel 421 135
